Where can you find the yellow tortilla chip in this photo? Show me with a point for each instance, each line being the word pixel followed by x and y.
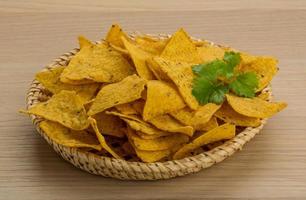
pixel 228 114
pixel 102 139
pixel 126 109
pixel 182 76
pixel 157 144
pixel 67 137
pixel 114 36
pixel 180 48
pixel 138 106
pixel 98 63
pixel 264 67
pixel 139 125
pixel 197 119
pixel 151 45
pixel 110 124
pixel 156 70
pixel 84 42
pixel 162 98
pixel 226 131
pixel 139 58
pixel 254 107
pixel 65 108
pixel 209 53
pixel 125 91
pixel 152 156
pixel 50 79
pixel 211 124
pixel 169 124
pixel 264 96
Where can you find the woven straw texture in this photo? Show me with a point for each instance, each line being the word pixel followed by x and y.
pixel 127 170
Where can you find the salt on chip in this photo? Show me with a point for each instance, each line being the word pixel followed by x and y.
pixel 50 79
pixel 162 98
pixel 114 36
pixel 180 48
pixel 97 63
pixel 182 76
pixel 69 138
pixel 139 58
pixel 65 108
pixel 102 139
pixel 264 67
pixel 125 91
pixel 254 107
pixel 228 114
pixel 168 123
pixel 137 124
pixel 198 118
pixel 110 124
pixel 223 132
pixel 161 143
pixel 209 53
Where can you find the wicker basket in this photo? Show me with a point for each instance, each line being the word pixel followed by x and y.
pixel 127 170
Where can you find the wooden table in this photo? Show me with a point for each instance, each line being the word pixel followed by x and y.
pixel 272 166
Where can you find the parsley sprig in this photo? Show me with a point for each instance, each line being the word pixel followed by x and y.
pixel 216 78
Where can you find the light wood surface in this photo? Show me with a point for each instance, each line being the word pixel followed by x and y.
pixel 271 166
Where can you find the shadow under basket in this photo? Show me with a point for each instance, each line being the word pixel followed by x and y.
pixel 131 170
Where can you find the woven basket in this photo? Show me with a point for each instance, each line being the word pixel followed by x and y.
pixel 127 170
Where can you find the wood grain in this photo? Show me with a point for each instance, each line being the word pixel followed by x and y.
pixel 272 166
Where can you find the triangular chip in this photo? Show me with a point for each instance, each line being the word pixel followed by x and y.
pixel 198 118
pixel 228 114
pixel 97 63
pixel 156 70
pixel 180 48
pixel 209 52
pixel 110 124
pixel 114 36
pixel 226 131
pixel 125 91
pixel 137 124
pixel 69 138
pixel 50 79
pixel 151 45
pixel 84 42
pixel 255 107
pixel 126 109
pixel 102 139
pixel 264 67
pixel 162 98
pixel 138 106
pixel 65 108
pixel 161 143
pixel 182 76
pixel 152 156
pixel 211 124
pixel 139 58
pixel 167 123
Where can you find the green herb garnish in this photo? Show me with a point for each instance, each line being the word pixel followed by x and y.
pixel 214 79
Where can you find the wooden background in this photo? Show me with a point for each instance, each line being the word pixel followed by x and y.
pixel 32 33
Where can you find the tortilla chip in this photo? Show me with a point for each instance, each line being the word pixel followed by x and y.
pixel 138 124
pixel 138 106
pixel 97 63
pixel 264 67
pixel 264 96
pixel 209 53
pixel 110 124
pixel 67 137
pixel 156 70
pixel 114 36
pixel 50 79
pixel 180 48
pixel 226 131
pixel 126 109
pixel 169 124
pixel 139 58
pixel 254 107
pixel 102 139
pixel 228 114
pixel 162 98
pixel 211 124
pixel 125 91
pixel 161 143
pixel 197 119
pixel 182 76
pixel 151 45
pixel 84 42
pixel 65 108
pixel 152 156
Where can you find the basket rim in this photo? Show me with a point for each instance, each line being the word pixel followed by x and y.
pixel 211 157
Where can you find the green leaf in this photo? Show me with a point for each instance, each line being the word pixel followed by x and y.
pixel 206 91
pixel 245 84
pixel 232 59
pixel 210 70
